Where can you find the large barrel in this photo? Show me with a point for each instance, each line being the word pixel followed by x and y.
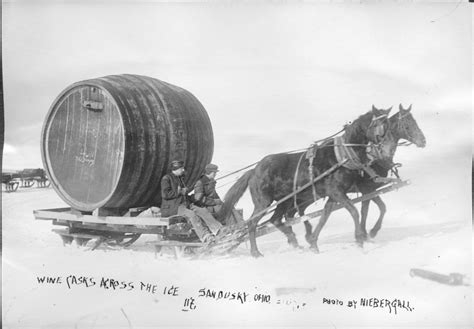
pixel 107 142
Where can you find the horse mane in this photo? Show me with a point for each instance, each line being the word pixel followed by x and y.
pixel 356 131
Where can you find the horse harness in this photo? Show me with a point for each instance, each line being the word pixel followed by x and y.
pixel 309 155
pixel 344 153
pixel 403 127
pixel 374 152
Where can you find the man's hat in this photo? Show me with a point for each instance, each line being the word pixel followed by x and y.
pixel 176 164
pixel 211 168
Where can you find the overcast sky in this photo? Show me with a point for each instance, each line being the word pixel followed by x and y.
pixel 273 77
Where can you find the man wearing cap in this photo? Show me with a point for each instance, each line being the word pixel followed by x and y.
pixel 174 202
pixel 206 198
pixel 205 194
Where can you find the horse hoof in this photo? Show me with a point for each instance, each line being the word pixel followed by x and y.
pixel 373 233
pixel 363 236
pixel 314 249
pixel 297 247
pixel 295 244
pixel 257 254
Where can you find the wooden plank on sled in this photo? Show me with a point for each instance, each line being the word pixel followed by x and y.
pixel 66 232
pixel 82 238
pixel 146 229
pixel 172 243
pixel 49 214
pixel 68 215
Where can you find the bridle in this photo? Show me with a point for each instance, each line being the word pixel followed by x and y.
pixel 379 139
pixel 401 127
pixel 375 149
pixel 385 129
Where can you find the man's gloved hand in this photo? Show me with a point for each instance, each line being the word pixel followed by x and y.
pixel 218 202
pixel 182 190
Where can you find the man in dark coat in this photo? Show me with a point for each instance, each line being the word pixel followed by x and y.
pixel 205 194
pixel 173 190
pixel 174 202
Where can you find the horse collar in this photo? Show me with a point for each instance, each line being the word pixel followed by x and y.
pixel 345 152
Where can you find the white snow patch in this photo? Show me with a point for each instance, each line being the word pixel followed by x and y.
pixel 296 280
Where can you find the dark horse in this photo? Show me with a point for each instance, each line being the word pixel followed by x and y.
pixel 277 176
pixel 402 125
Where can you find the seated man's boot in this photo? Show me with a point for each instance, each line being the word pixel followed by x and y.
pixel 223 231
pixel 208 238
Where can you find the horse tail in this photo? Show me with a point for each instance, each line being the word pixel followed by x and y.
pixel 234 194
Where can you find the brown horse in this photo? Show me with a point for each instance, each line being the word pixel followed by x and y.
pixel 277 175
pixel 402 125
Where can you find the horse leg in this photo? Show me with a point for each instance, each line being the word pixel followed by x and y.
pixel 252 226
pixel 276 220
pixel 346 202
pixel 364 210
pixel 260 201
pixel 313 237
pixel 307 225
pixel 383 209
pixel 338 196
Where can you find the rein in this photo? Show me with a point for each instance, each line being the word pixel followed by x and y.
pixel 319 146
pixel 288 152
pixel 239 170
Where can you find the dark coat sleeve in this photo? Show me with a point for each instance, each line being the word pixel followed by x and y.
pixel 205 193
pixel 213 193
pixel 168 190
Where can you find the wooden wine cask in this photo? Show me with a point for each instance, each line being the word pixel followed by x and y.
pixel 107 142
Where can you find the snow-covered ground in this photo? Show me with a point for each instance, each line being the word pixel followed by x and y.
pixel 423 229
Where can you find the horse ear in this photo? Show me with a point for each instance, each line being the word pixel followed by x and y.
pixel 389 109
pixel 374 108
pixel 409 107
pixel 400 107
